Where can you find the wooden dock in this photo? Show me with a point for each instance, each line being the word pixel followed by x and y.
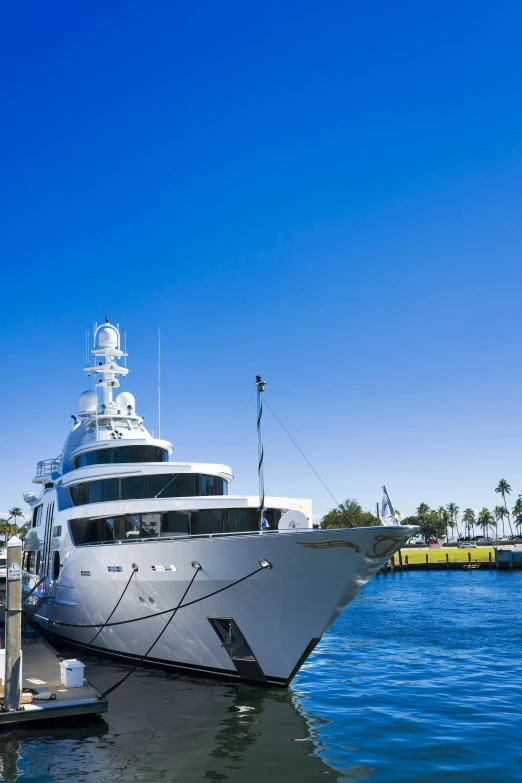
pixel 41 669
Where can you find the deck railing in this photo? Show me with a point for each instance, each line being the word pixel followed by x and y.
pixel 47 466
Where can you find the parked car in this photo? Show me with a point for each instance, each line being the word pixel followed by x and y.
pixel 467 545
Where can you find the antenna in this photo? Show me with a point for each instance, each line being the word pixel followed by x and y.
pixel 87 338
pixel 125 348
pixel 159 382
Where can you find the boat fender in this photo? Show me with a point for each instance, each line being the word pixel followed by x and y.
pixel 41 694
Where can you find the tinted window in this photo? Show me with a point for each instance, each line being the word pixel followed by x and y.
pixel 88 531
pixel 110 489
pixel 78 494
pixel 168 485
pixel 150 525
pixel 210 485
pixel 132 488
pixel 175 522
pixel 37 516
pixel 160 486
pixel 128 527
pixel 184 486
pixel 94 492
pixel 272 516
pixel 241 520
pixel 121 454
pixel 208 521
pixel 56 565
pixel 125 526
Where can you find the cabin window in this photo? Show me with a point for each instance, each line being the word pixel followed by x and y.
pixel 150 525
pixel 56 564
pixel 159 486
pixel 94 492
pixel 176 523
pixel 272 516
pixel 211 485
pixel 57 531
pixel 184 486
pixel 110 489
pixel 122 454
pixel 37 516
pixel 242 520
pixel 132 487
pixel 128 527
pixel 30 562
pixel 208 521
pixel 167 485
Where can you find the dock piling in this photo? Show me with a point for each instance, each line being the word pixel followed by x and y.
pixel 13 625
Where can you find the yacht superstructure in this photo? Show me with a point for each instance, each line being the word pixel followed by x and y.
pixel 139 556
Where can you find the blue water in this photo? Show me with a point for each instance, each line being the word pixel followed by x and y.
pixel 417 681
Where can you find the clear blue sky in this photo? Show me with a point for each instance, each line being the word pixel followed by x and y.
pixel 325 193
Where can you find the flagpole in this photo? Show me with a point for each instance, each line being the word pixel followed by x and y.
pixel 260 385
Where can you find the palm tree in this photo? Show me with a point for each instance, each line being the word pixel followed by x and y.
pixel 453 511
pixel 444 518
pixel 468 517
pixel 504 489
pixel 485 520
pixel 500 513
pixel 23 530
pixel 8 529
pixel 422 510
pixel 14 513
pixel 517 511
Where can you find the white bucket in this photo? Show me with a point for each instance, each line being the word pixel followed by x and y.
pixel 71 673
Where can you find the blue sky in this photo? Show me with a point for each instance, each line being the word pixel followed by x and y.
pixel 325 193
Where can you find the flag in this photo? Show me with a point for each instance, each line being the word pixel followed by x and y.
pixel 387 512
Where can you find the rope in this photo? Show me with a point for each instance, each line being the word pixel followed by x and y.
pixel 120 682
pixel 304 457
pixel 88 644
pixel 157 614
pixel 33 589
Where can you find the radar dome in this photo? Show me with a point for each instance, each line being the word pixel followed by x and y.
pixel 87 403
pixel 125 400
pixel 107 337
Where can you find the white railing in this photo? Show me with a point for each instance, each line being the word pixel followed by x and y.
pixel 47 466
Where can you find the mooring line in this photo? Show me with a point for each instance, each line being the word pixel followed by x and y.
pixel 195 565
pixel 157 614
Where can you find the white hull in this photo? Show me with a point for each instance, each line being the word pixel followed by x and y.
pixel 282 612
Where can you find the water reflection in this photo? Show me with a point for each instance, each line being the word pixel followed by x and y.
pixel 168 728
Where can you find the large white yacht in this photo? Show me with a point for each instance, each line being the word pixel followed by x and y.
pixel 141 557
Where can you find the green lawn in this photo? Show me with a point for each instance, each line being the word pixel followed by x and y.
pixel 439 555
